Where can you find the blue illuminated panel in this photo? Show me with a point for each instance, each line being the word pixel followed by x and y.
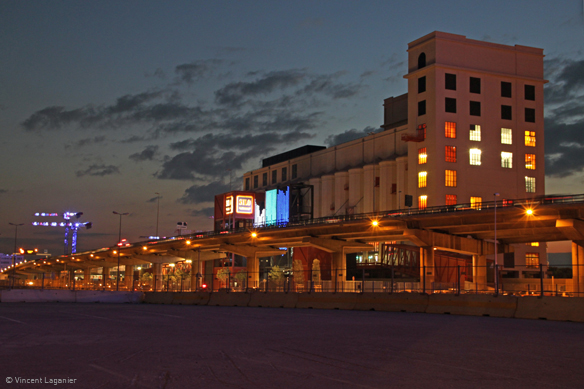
pixel 283 210
pixel 271 207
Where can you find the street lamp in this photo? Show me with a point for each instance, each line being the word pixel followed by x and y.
pixel 496 268
pixel 119 242
pixel 14 252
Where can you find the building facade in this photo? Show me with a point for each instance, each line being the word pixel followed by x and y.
pixel 470 126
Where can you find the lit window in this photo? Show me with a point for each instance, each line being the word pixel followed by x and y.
pixel 532 259
pixel 450 199
pixel 475 132
pixel 530 161
pixel 422 179
pixel 476 202
pixel 422 202
pixel 475 156
pixel 450 177
pixel 450 152
pixel 422 156
pixel 506 136
pixel 530 184
pixel 450 130
pixel 530 138
pixel 506 159
pixel 534 244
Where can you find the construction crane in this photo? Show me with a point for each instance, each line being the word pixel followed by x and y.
pixel 71 224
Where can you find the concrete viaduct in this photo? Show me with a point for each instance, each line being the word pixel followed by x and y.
pixel 457 229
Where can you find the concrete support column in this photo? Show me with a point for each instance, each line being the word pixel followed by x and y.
pixel 427 265
pixel 578 269
pixel 129 277
pixel 479 271
pixel 401 181
pixel 72 279
pixel 356 190
pixel 339 267
pixel 156 276
pixel 253 272
pixel 316 191
pixel 87 278
pixel 341 193
pixel 385 185
pixel 368 189
pixel 327 200
pixel 105 274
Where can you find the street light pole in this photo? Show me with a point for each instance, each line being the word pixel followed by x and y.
pixel 14 252
pixel 157 212
pixel 496 265
pixel 119 246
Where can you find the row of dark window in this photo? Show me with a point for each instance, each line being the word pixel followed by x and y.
pixel 475 86
pixel 274 177
pixel 475 109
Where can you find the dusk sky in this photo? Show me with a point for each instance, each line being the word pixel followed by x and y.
pixel 103 104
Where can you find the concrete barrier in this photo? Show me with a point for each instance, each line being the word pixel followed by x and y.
pixel 327 300
pixel 397 302
pixel 191 298
pixel 93 296
pixel 551 308
pixel 38 296
pixel 473 305
pixel 158 297
pixel 273 300
pixel 231 299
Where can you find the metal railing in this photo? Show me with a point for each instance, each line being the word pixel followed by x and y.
pixel 539 281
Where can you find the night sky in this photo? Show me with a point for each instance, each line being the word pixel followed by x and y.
pixel 103 104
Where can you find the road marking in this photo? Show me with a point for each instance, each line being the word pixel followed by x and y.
pixel 16 321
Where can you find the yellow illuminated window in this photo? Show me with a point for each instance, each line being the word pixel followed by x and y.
pixel 450 152
pixel 422 202
pixel 450 199
pixel 422 179
pixel 450 130
pixel 534 244
pixel 450 178
pixel 530 184
pixel 476 202
pixel 475 156
pixel 530 161
pixel 506 159
pixel 422 156
pixel 532 259
pixel 530 138
pixel 475 132
pixel 506 136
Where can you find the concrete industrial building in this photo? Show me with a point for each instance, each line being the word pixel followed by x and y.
pixel 470 126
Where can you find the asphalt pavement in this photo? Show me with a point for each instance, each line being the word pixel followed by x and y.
pixel 167 346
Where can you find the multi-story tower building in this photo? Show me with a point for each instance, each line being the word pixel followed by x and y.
pixel 470 126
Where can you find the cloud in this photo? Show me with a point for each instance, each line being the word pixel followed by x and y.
pixel 2 191
pixel 564 122
pixel 212 155
pixel 98 171
pixel 347 136
pixel 145 155
pixel 197 70
pixel 203 193
pixel 205 212
pixel 153 199
pixel 85 142
pixel 233 93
